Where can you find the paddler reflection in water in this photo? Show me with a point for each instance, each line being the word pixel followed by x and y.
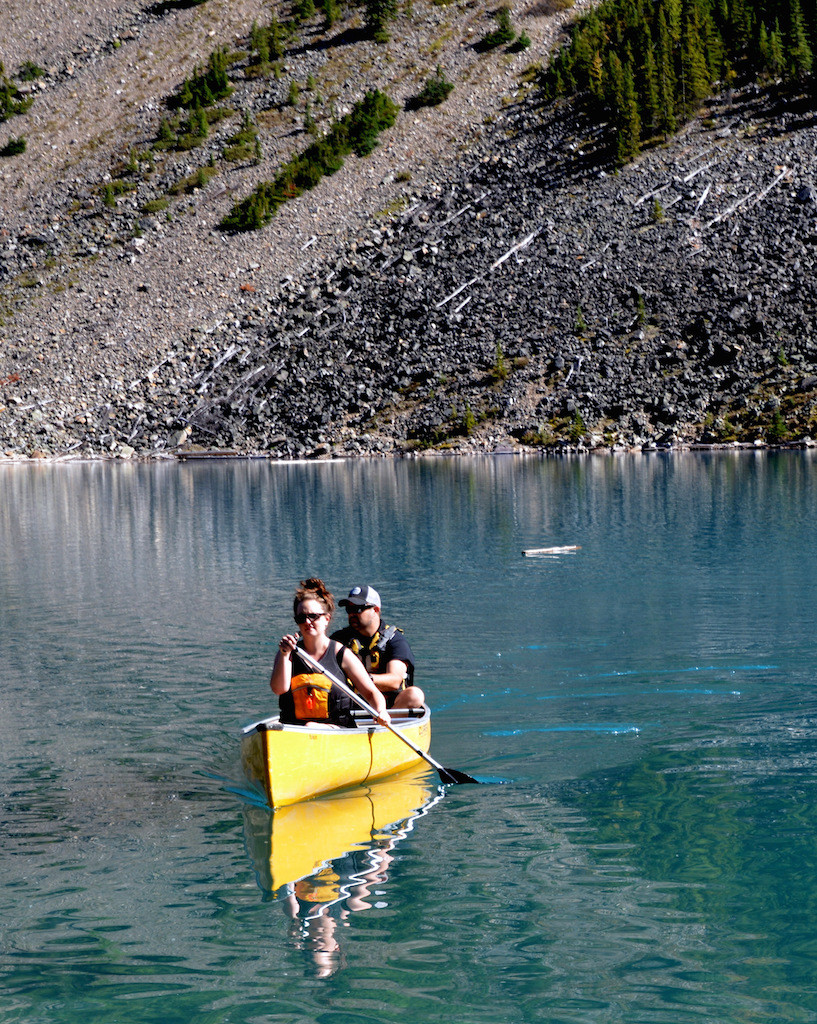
pixel 306 697
pixel 383 649
pixel 310 901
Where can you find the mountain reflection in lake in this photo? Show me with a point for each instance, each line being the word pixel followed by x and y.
pixel 645 702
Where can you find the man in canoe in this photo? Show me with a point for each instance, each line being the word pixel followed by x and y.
pixel 383 649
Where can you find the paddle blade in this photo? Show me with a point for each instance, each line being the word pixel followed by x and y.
pixel 451 775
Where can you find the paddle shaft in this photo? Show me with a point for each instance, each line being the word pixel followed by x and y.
pixel 445 774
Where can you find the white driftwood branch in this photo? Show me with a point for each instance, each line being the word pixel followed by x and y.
pixel 552 551
pixel 587 266
pixel 514 248
pixel 649 195
pixel 698 170
pixel 762 195
pixel 702 200
pixel 456 292
pixel 459 213
pixel 729 211
pixel 758 198
pixel 231 351
pixel 526 241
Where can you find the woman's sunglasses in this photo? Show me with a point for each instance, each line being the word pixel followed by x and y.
pixel 302 617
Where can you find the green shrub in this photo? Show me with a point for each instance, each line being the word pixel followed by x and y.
pixel 502 34
pixel 113 189
pixel 244 144
pixel 12 101
pixel 436 89
pixel 523 42
pixel 166 137
pixel 777 431
pixel 30 71
pixel 155 205
pixel 14 147
pixel 368 118
pixel 577 428
pixel 304 9
pixel 197 180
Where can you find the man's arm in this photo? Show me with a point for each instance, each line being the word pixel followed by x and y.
pixel 393 678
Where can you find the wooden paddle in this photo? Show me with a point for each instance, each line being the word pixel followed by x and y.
pixel 447 775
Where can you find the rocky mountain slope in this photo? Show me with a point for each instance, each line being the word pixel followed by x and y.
pixel 483 280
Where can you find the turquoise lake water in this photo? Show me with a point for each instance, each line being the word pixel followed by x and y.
pixel 641 710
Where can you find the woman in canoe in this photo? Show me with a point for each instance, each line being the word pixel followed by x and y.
pixel 305 696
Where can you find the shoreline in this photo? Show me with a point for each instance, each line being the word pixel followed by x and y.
pixel 577 451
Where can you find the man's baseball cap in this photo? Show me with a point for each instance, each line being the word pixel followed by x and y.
pixel 359 596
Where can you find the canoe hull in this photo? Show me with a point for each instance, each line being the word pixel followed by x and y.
pixel 293 762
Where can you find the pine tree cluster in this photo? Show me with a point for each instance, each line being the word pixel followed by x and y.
pixel 646 65
pixel 205 87
pixel 357 133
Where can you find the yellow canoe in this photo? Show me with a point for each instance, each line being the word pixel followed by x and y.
pixel 296 762
pixel 298 843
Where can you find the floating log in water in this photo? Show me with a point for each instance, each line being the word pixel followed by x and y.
pixel 214 455
pixel 552 551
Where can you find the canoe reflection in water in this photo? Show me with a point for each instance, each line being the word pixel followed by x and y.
pixel 327 858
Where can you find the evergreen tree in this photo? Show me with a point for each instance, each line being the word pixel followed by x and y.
pixel 583 58
pixel 738 27
pixel 629 122
pixel 166 136
pixel 259 41
pixel 650 99
pixel 798 52
pixel 694 71
pixel 711 39
pixel 681 48
pixel 614 85
pixel 378 14
pixel 666 77
pixel 198 123
pixel 304 9
pixel 331 13
pixel 763 45
pixel 596 76
pixel 275 40
pixel 671 9
pixel 777 58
